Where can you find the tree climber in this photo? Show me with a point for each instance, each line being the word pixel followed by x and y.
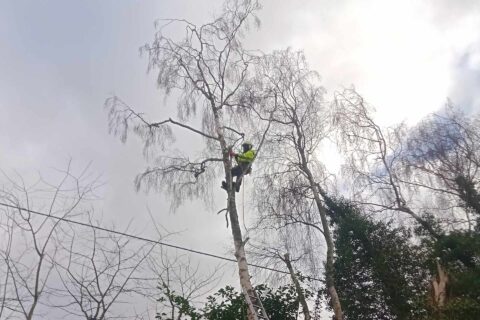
pixel 244 164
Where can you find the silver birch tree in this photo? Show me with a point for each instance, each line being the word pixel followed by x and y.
pixel 207 68
pixel 293 179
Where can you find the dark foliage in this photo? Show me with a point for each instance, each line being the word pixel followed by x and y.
pixel 379 273
pixel 459 252
pixel 228 304
pixel 469 195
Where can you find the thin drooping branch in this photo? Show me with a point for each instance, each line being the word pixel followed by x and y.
pixel 373 162
pixel 442 156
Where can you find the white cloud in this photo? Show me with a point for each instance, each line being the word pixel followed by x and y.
pixel 400 55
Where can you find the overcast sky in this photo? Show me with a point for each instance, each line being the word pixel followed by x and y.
pixel 60 60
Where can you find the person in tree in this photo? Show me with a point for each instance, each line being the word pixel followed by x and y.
pixel 244 164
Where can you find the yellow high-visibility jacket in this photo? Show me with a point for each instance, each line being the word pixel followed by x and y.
pixel 246 157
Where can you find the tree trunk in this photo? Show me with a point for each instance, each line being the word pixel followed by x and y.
pixel 439 288
pixel 36 292
pixel 239 248
pixel 329 272
pixel 232 211
pixel 332 291
pixel 298 288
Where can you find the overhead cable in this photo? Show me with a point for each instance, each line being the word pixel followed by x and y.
pixel 211 255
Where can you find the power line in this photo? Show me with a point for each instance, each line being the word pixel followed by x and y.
pixel 211 255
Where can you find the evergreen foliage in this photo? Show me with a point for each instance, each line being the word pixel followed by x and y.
pixel 379 273
pixel 459 252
